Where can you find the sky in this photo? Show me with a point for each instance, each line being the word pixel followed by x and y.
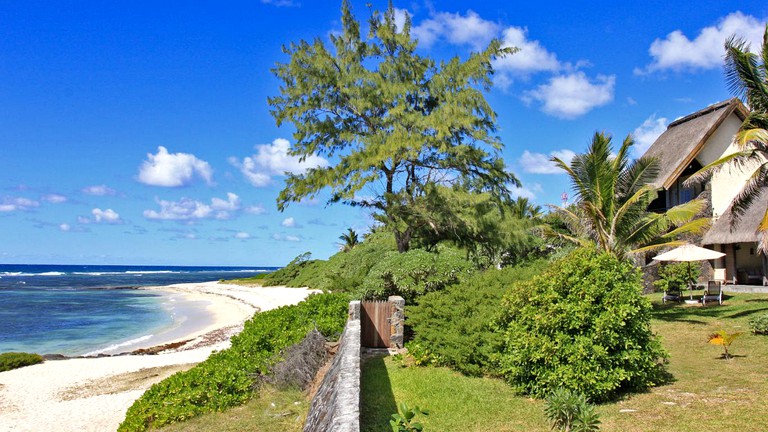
pixel 140 133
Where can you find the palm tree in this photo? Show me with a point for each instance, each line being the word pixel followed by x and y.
pixel 746 74
pixel 349 240
pixel 612 196
pixel 522 208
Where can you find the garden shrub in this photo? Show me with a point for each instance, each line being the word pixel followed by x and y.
pixel 415 272
pixel 676 275
pixel 759 324
pixel 582 324
pixel 227 378
pixel 15 360
pixel 455 323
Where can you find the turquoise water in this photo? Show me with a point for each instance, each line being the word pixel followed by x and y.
pixel 86 310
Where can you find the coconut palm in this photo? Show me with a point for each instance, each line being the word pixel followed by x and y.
pixel 612 196
pixel 746 74
pixel 522 208
pixel 349 240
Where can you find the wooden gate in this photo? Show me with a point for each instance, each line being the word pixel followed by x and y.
pixel 375 323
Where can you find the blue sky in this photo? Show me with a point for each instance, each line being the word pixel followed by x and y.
pixel 139 132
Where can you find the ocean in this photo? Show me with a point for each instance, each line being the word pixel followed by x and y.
pixel 91 309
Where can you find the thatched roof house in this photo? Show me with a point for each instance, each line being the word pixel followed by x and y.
pixel 687 145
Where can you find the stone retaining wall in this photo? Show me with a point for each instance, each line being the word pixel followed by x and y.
pixel 336 405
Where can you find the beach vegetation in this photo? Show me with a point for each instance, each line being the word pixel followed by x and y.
pixel 582 324
pixel 612 195
pixel 414 273
pixel 15 360
pixel 229 378
pixel 569 411
pixel 397 123
pixel 455 324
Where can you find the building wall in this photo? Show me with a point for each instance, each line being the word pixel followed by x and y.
pixel 727 182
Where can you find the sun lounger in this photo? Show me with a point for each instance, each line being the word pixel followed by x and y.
pixel 714 291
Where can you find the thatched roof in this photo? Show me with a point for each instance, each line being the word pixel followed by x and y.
pixel 677 147
pixel 745 231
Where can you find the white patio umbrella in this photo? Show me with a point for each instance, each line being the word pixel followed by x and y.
pixel 688 253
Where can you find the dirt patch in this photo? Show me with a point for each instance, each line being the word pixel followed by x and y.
pixel 137 380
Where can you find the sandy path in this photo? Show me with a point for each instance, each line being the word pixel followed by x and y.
pixel 92 394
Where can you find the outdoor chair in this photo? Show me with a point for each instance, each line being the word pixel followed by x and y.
pixel 672 294
pixel 719 276
pixel 714 291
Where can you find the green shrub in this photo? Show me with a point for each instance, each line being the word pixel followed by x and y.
pixel 404 420
pixel 759 324
pixel 570 411
pixel 415 272
pixel 583 325
pixel 226 378
pixel 15 360
pixel 455 323
pixel 675 275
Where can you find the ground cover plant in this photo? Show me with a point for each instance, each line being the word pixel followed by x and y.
pixel 14 360
pixel 583 324
pixel 227 378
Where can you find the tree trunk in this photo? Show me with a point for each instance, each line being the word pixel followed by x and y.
pixel 403 240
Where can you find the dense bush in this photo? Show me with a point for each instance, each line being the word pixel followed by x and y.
pixel 415 272
pixel 226 378
pixel 455 323
pixel 676 275
pixel 344 271
pixel 759 324
pixel 583 325
pixel 15 360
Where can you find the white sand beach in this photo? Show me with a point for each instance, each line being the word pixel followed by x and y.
pixel 92 394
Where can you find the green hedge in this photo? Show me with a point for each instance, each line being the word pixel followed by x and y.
pixel 226 378
pixel 584 325
pixel 455 324
pixel 15 360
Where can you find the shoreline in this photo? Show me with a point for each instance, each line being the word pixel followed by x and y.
pixel 92 393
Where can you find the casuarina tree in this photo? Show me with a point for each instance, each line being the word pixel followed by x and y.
pixel 394 122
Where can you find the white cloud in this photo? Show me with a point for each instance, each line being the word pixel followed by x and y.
pixel 18 203
pixel 281 3
pixel 469 29
pixel 289 223
pixel 288 238
pixel 242 235
pixel 647 133
pixel 539 163
pixel 65 227
pixel 256 209
pixel 98 190
pixel 173 169
pixel 400 17
pixel 273 159
pixel 573 95
pixel 523 192
pixel 189 209
pixel 531 58
pixel 107 216
pixel 54 198
pixel 677 52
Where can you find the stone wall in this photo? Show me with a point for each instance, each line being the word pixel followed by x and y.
pixel 336 405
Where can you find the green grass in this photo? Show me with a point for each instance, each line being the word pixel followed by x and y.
pixel 707 392
pixel 455 402
pixel 272 410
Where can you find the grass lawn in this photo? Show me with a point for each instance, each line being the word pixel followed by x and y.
pixel 272 410
pixel 707 393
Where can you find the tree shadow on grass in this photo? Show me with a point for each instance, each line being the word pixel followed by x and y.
pixel 377 401
pixel 746 313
